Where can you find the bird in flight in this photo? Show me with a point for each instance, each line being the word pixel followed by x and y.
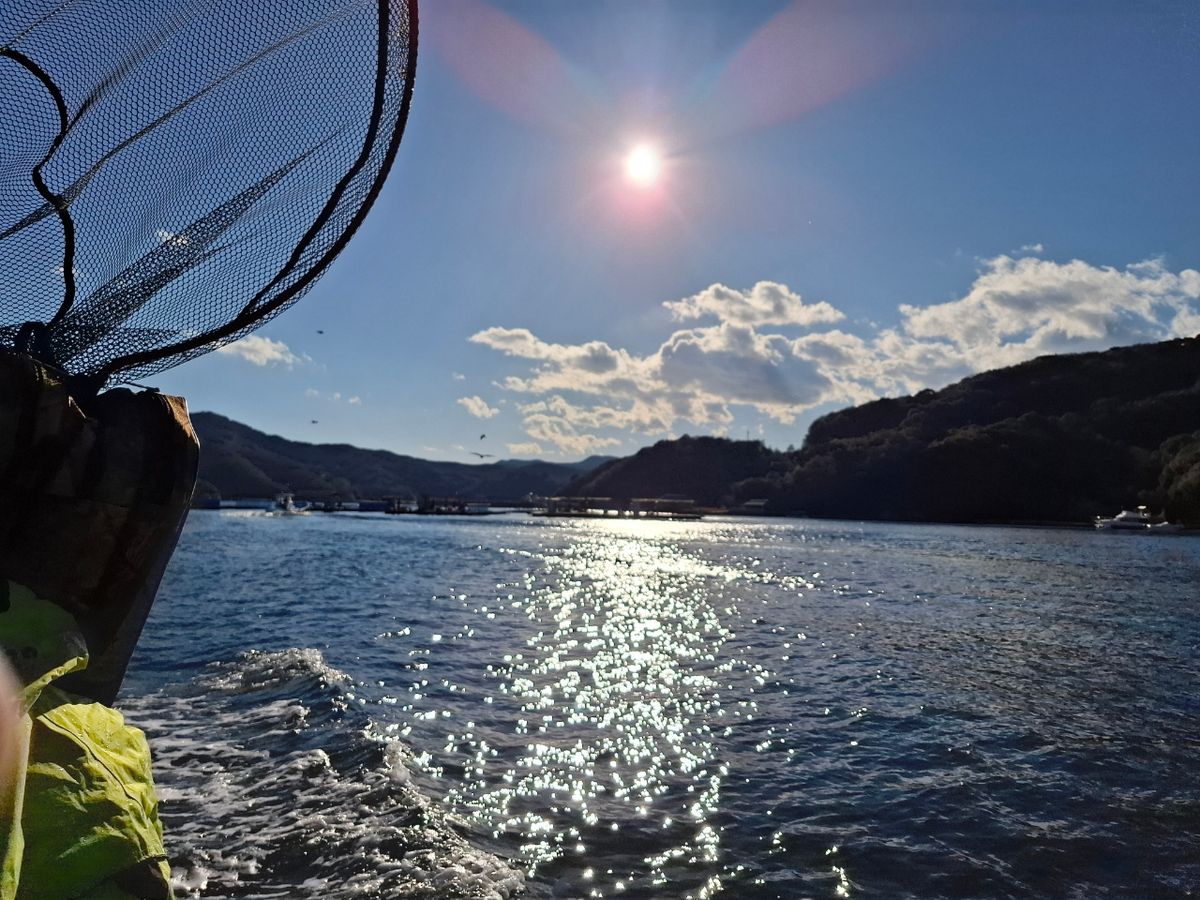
pixel 320 331
pixel 482 436
pixel 481 455
pixel 314 421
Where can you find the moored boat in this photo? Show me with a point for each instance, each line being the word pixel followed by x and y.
pixel 1137 520
pixel 285 505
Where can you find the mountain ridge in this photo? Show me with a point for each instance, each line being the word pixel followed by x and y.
pixel 1053 439
pixel 237 460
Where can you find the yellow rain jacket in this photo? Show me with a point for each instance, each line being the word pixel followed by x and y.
pixel 78 812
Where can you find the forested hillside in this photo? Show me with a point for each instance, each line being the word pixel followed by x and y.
pixel 1055 439
pixel 238 461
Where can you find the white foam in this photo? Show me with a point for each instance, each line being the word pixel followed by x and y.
pixel 253 803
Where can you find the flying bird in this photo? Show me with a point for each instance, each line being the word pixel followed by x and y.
pixel 320 331
pixel 482 436
pixel 315 422
pixel 481 455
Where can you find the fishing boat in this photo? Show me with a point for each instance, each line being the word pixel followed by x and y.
pixel 285 505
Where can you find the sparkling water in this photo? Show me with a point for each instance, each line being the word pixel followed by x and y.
pixel 396 706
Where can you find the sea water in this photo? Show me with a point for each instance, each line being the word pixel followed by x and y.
pixel 396 706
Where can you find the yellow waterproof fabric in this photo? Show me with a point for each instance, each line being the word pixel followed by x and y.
pixel 78 812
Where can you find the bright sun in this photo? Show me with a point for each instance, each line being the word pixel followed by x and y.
pixel 643 165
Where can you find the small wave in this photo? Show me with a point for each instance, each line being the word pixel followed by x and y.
pixel 272 783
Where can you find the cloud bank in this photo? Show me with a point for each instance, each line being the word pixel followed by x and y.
pixel 769 350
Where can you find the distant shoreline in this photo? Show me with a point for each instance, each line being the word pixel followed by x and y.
pixel 726 517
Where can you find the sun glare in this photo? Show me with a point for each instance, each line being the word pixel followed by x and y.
pixel 643 165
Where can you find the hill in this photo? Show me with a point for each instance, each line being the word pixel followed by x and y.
pixel 1055 439
pixel 701 468
pixel 238 461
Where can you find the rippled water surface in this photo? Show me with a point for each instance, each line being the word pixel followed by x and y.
pixel 408 707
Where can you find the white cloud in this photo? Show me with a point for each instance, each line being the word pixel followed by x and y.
pixel 565 435
pixel 332 396
pixel 736 364
pixel 458 376
pixel 774 354
pixel 262 351
pixel 767 303
pixel 1021 308
pixel 694 376
pixel 528 448
pixel 477 407
pixel 595 357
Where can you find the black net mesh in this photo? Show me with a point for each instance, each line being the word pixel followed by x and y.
pixel 175 172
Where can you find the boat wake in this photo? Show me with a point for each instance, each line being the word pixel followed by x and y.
pixel 273 784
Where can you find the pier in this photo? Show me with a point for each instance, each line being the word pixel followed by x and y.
pixel 612 508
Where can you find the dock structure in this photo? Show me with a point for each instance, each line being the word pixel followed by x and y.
pixel 439 506
pixel 615 508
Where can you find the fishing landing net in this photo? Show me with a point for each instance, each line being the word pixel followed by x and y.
pixel 174 173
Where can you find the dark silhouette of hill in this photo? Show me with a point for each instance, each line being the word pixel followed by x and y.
pixel 238 461
pixel 1058 438
pixel 701 468
pixel 1055 439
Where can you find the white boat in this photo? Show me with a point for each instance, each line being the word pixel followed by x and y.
pixel 1138 520
pixel 285 505
pixel 1165 528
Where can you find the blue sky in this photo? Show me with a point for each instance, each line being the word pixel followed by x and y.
pixel 855 199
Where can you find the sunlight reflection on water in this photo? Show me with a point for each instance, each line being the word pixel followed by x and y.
pixel 768 709
pixel 619 693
